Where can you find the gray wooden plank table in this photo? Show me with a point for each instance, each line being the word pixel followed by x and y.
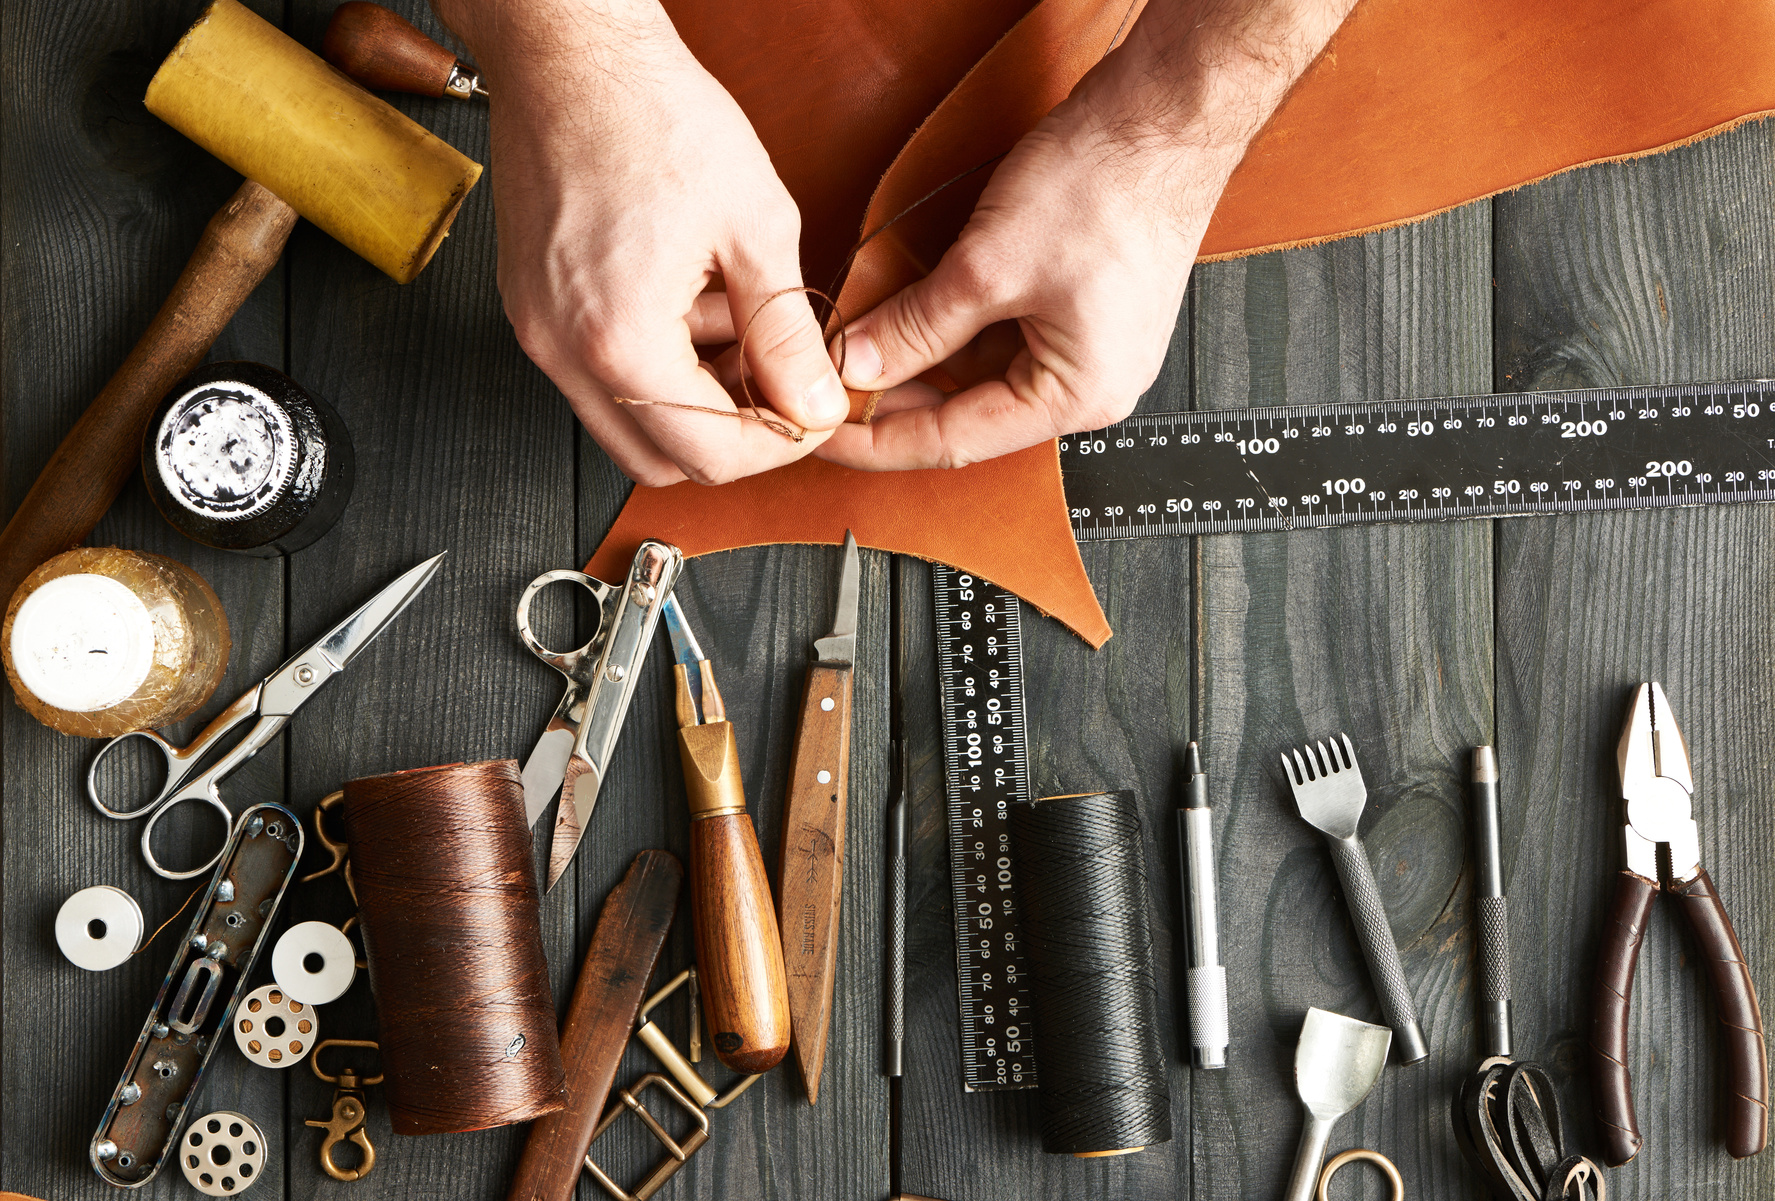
pixel 1420 641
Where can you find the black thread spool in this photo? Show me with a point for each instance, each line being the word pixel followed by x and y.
pixel 240 457
pixel 1081 882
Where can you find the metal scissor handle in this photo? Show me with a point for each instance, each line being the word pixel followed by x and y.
pixel 181 784
pixel 574 664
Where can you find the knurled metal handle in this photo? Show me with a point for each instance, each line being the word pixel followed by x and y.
pixel 1378 947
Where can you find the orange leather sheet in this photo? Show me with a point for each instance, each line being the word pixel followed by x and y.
pixel 1417 106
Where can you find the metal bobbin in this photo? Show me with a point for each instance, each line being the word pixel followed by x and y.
pixel 223 1153
pixel 273 1029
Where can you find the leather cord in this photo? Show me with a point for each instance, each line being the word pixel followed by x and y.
pixel 1508 1125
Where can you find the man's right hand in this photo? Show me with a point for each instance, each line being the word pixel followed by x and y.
pixel 626 182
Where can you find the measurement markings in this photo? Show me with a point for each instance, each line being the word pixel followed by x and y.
pixel 985 768
pixel 1233 470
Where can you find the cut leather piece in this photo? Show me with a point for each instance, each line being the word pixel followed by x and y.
pixel 1417 106
pixel 976 518
pixel 1004 520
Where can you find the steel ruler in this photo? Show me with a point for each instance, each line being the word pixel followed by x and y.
pixel 985 768
pixel 1229 470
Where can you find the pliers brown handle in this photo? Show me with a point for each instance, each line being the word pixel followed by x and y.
pixel 1741 1020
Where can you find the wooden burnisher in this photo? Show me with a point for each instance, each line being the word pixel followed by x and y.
pixel 276 112
pixel 310 143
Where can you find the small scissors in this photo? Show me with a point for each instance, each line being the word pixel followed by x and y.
pixel 575 746
pixel 272 701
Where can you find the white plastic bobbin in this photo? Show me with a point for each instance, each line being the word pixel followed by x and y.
pixel 98 928
pixel 274 1030
pixel 222 1153
pixel 314 963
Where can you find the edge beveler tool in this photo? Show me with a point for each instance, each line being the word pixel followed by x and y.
pixel 1658 788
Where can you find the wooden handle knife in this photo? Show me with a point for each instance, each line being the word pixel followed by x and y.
pixel 812 875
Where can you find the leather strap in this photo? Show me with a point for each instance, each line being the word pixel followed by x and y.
pixel 1741 1020
pixel 1611 999
pixel 607 998
pixel 1508 1126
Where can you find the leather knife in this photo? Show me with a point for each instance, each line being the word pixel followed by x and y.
pixel 812 875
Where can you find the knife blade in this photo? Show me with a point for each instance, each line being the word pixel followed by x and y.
pixel 812 871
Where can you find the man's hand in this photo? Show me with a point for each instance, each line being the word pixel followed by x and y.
pixel 1084 238
pixel 626 182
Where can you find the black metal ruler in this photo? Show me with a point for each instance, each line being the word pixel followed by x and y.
pixel 1229 470
pixel 985 768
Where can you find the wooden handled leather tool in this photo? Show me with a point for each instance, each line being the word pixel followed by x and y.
pixel 310 143
pixel 812 875
pixel 739 955
pixel 382 49
pixel 631 930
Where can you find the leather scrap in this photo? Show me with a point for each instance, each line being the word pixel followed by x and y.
pixel 1416 107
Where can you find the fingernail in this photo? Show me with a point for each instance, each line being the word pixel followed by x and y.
pixel 827 405
pixel 862 362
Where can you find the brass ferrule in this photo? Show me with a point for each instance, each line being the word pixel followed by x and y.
pixel 711 770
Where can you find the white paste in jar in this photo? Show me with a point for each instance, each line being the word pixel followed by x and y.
pixel 82 643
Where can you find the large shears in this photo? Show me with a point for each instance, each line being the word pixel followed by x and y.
pixel 269 704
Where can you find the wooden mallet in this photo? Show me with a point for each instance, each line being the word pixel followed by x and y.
pixel 310 143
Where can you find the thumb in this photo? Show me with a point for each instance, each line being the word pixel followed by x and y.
pixel 785 351
pixel 916 328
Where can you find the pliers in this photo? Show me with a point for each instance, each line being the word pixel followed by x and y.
pixel 1658 789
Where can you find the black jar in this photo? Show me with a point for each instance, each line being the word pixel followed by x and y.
pixel 240 457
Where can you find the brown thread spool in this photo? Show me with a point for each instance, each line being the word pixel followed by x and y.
pixel 452 931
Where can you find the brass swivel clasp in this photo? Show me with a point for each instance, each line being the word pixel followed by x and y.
pixel 347 1122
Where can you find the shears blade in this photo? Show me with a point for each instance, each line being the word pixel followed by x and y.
pixel 289 686
pixel 840 646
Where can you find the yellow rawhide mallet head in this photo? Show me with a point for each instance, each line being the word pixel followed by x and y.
pixel 311 144
pixel 276 112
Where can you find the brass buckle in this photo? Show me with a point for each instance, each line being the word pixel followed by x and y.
pixel 676 1156
pixel 686 1086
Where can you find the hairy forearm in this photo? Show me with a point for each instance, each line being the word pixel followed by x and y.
pixel 1179 101
pixel 602 33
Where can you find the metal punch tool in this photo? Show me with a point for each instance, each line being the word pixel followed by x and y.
pixel 574 751
pixel 1659 790
pixel 269 704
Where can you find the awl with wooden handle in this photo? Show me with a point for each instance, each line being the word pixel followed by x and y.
pixel 739 955
pixel 812 876
pixel 383 50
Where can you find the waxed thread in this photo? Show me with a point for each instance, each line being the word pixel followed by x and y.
pixel 1081 882
pixel 751 411
pixel 442 862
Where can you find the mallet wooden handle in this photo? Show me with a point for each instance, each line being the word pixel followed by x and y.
pixel 384 51
pixel 238 248
pixel 738 951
